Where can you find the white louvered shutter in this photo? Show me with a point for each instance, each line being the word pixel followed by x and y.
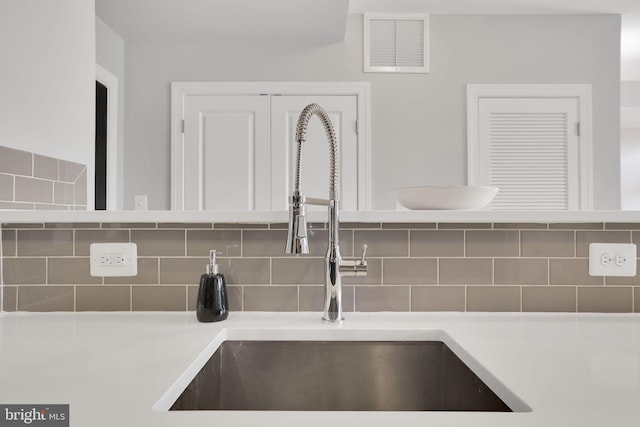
pixel 396 43
pixel 528 148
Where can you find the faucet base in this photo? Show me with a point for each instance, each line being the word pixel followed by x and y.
pixel 333 321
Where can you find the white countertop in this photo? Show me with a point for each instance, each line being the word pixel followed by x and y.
pixel 112 368
pixel 262 217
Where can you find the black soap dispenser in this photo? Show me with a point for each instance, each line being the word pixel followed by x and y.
pixel 212 305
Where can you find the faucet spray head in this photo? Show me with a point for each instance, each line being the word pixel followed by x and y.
pixel 297 240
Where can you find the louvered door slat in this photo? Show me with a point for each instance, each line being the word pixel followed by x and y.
pixel 527 151
pixel 518 162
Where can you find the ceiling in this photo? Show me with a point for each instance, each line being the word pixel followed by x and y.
pixel 196 20
pixel 325 20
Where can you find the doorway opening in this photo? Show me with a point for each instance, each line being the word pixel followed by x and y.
pixel 102 101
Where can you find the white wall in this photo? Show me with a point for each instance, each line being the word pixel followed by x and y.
pixel 418 120
pixel 110 55
pixel 47 82
pixel 630 159
pixel 630 145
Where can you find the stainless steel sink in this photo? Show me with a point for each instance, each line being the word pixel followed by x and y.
pixel 337 376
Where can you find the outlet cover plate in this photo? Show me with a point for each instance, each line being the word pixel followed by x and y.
pixel 113 259
pixel 612 259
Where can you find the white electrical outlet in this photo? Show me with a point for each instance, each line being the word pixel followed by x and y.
pixel 113 259
pixel 612 259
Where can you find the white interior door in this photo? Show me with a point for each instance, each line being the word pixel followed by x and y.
pixel 529 148
pixel 285 111
pixel 226 153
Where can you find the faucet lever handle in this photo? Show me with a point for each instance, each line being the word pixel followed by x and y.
pixel 363 258
pixel 354 266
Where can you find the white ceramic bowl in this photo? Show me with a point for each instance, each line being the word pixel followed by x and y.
pixel 463 197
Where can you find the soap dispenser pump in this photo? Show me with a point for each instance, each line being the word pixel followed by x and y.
pixel 212 305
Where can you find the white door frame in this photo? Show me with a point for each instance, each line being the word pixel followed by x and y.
pixel 180 90
pixel 111 82
pixel 582 92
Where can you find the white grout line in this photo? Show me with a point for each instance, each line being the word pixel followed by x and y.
pixel 466 297
pixel 464 243
pixel 493 271
pixel 521 298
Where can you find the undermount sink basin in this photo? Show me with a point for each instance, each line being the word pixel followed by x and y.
pixel 462 197
pixel 336 376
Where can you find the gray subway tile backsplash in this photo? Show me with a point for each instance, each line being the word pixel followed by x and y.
pixel 492 243
pixel 270 298
pixel 297 271
pixel 148 274
pixel 383 243
pixel 45 242
pixel 8 238
pixel 103 298
pixel 24 271
pixel 45 167
pixel 549 298
pixel 158 298
pixel 182 271
pixel 547 244
pixel 69 171
pixel 493 298
pixel 70 271
pixel 15 162
pixel 46 298
pixel 6 187
pixel 246 271
pixel 521 271
pixel 412 267
pixel 200 242
pixel 466 271
pixel 572 271
pixel 437 243
pixel 584 238
pixel 266 243
pixel 410 271
pixel 84 239
pixel 383 298
pixel 160 242
pixel 29 181
pixel 438 298
pixel 9 298
pixel 33 190
pixel 63 193
pixel 605 299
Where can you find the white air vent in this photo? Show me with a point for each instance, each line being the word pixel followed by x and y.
pixel 396 43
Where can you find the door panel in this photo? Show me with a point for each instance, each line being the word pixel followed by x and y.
pixel 529 148
pixel 226 153
pixel 240 151
pixel 315 154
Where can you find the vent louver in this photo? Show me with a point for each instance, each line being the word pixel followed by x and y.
pixel 396 43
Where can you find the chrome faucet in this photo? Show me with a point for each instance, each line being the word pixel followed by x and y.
pixel 297 241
